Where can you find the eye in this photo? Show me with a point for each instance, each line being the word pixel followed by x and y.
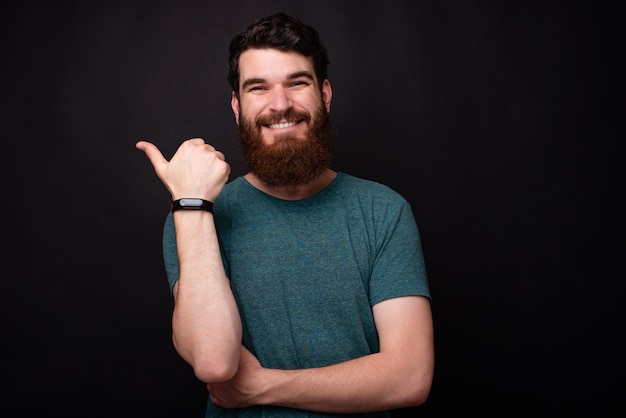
pixel 298 83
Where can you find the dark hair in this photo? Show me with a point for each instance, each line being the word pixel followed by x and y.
pixel 283 32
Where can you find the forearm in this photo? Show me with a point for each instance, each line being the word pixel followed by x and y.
pixel 400 375
pixel 206 327
pixel 371 383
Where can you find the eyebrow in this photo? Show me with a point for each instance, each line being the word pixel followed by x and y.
pixel 299 74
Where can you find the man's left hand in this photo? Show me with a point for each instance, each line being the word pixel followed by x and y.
pixel 242 389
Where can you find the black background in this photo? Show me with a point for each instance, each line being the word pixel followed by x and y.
pixel 496 120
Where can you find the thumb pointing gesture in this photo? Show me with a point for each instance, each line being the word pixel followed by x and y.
pixel 197 169
pixel 154 155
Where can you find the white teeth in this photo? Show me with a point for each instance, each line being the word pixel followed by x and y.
pixel 282 125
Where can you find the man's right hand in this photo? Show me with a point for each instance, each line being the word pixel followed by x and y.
pixel 196 170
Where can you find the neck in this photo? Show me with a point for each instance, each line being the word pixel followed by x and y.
pixel 294 193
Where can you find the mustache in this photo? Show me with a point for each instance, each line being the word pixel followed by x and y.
pixel 289 115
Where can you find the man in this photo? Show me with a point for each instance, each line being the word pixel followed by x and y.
pixel 303 291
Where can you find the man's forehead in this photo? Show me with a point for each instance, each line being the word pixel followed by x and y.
pixel 256 62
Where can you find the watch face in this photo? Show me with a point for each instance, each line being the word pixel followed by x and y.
pixel 190 202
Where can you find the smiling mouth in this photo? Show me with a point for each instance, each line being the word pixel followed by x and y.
pixel 282 125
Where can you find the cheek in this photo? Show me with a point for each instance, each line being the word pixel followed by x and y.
pixel 313 103
pixel 251 110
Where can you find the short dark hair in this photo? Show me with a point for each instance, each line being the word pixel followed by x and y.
pixel 283 32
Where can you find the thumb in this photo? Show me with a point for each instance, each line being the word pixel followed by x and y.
pixel 154 155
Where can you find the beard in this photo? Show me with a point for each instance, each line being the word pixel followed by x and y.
pixel 289 161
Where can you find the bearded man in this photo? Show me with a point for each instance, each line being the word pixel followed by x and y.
pixel 303 290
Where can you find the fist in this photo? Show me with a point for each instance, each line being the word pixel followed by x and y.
pixel 196 170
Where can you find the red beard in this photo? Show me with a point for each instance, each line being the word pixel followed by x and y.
pixel 289 161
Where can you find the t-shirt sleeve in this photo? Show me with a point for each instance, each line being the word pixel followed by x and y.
pixel 399 268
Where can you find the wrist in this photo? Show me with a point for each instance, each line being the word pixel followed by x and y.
pixel 274 387
pixel 189 203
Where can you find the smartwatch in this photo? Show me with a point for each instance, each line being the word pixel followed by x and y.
pixel 190 203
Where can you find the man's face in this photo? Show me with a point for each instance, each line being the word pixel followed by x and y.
pixel 283 117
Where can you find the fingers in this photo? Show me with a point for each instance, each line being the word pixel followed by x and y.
pixel 199 142
pixel 219 155
pixel 195 169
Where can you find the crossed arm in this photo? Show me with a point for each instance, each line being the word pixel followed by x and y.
pixel 400 375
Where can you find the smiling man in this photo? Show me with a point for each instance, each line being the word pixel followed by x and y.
pixel 303 290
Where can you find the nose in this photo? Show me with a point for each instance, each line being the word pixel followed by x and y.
pixel 279 99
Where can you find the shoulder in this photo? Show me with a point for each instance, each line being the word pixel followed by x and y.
pixel 365 190
pixel 233 192
pixel 236 198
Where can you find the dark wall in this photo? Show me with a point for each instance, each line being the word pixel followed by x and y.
pixel 494 119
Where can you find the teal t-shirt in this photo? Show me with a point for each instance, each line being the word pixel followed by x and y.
pixel 305 274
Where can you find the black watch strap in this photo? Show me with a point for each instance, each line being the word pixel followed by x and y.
pixel 190 203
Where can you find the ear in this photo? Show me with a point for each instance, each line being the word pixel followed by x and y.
pixel 327 94
pixel 234 104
